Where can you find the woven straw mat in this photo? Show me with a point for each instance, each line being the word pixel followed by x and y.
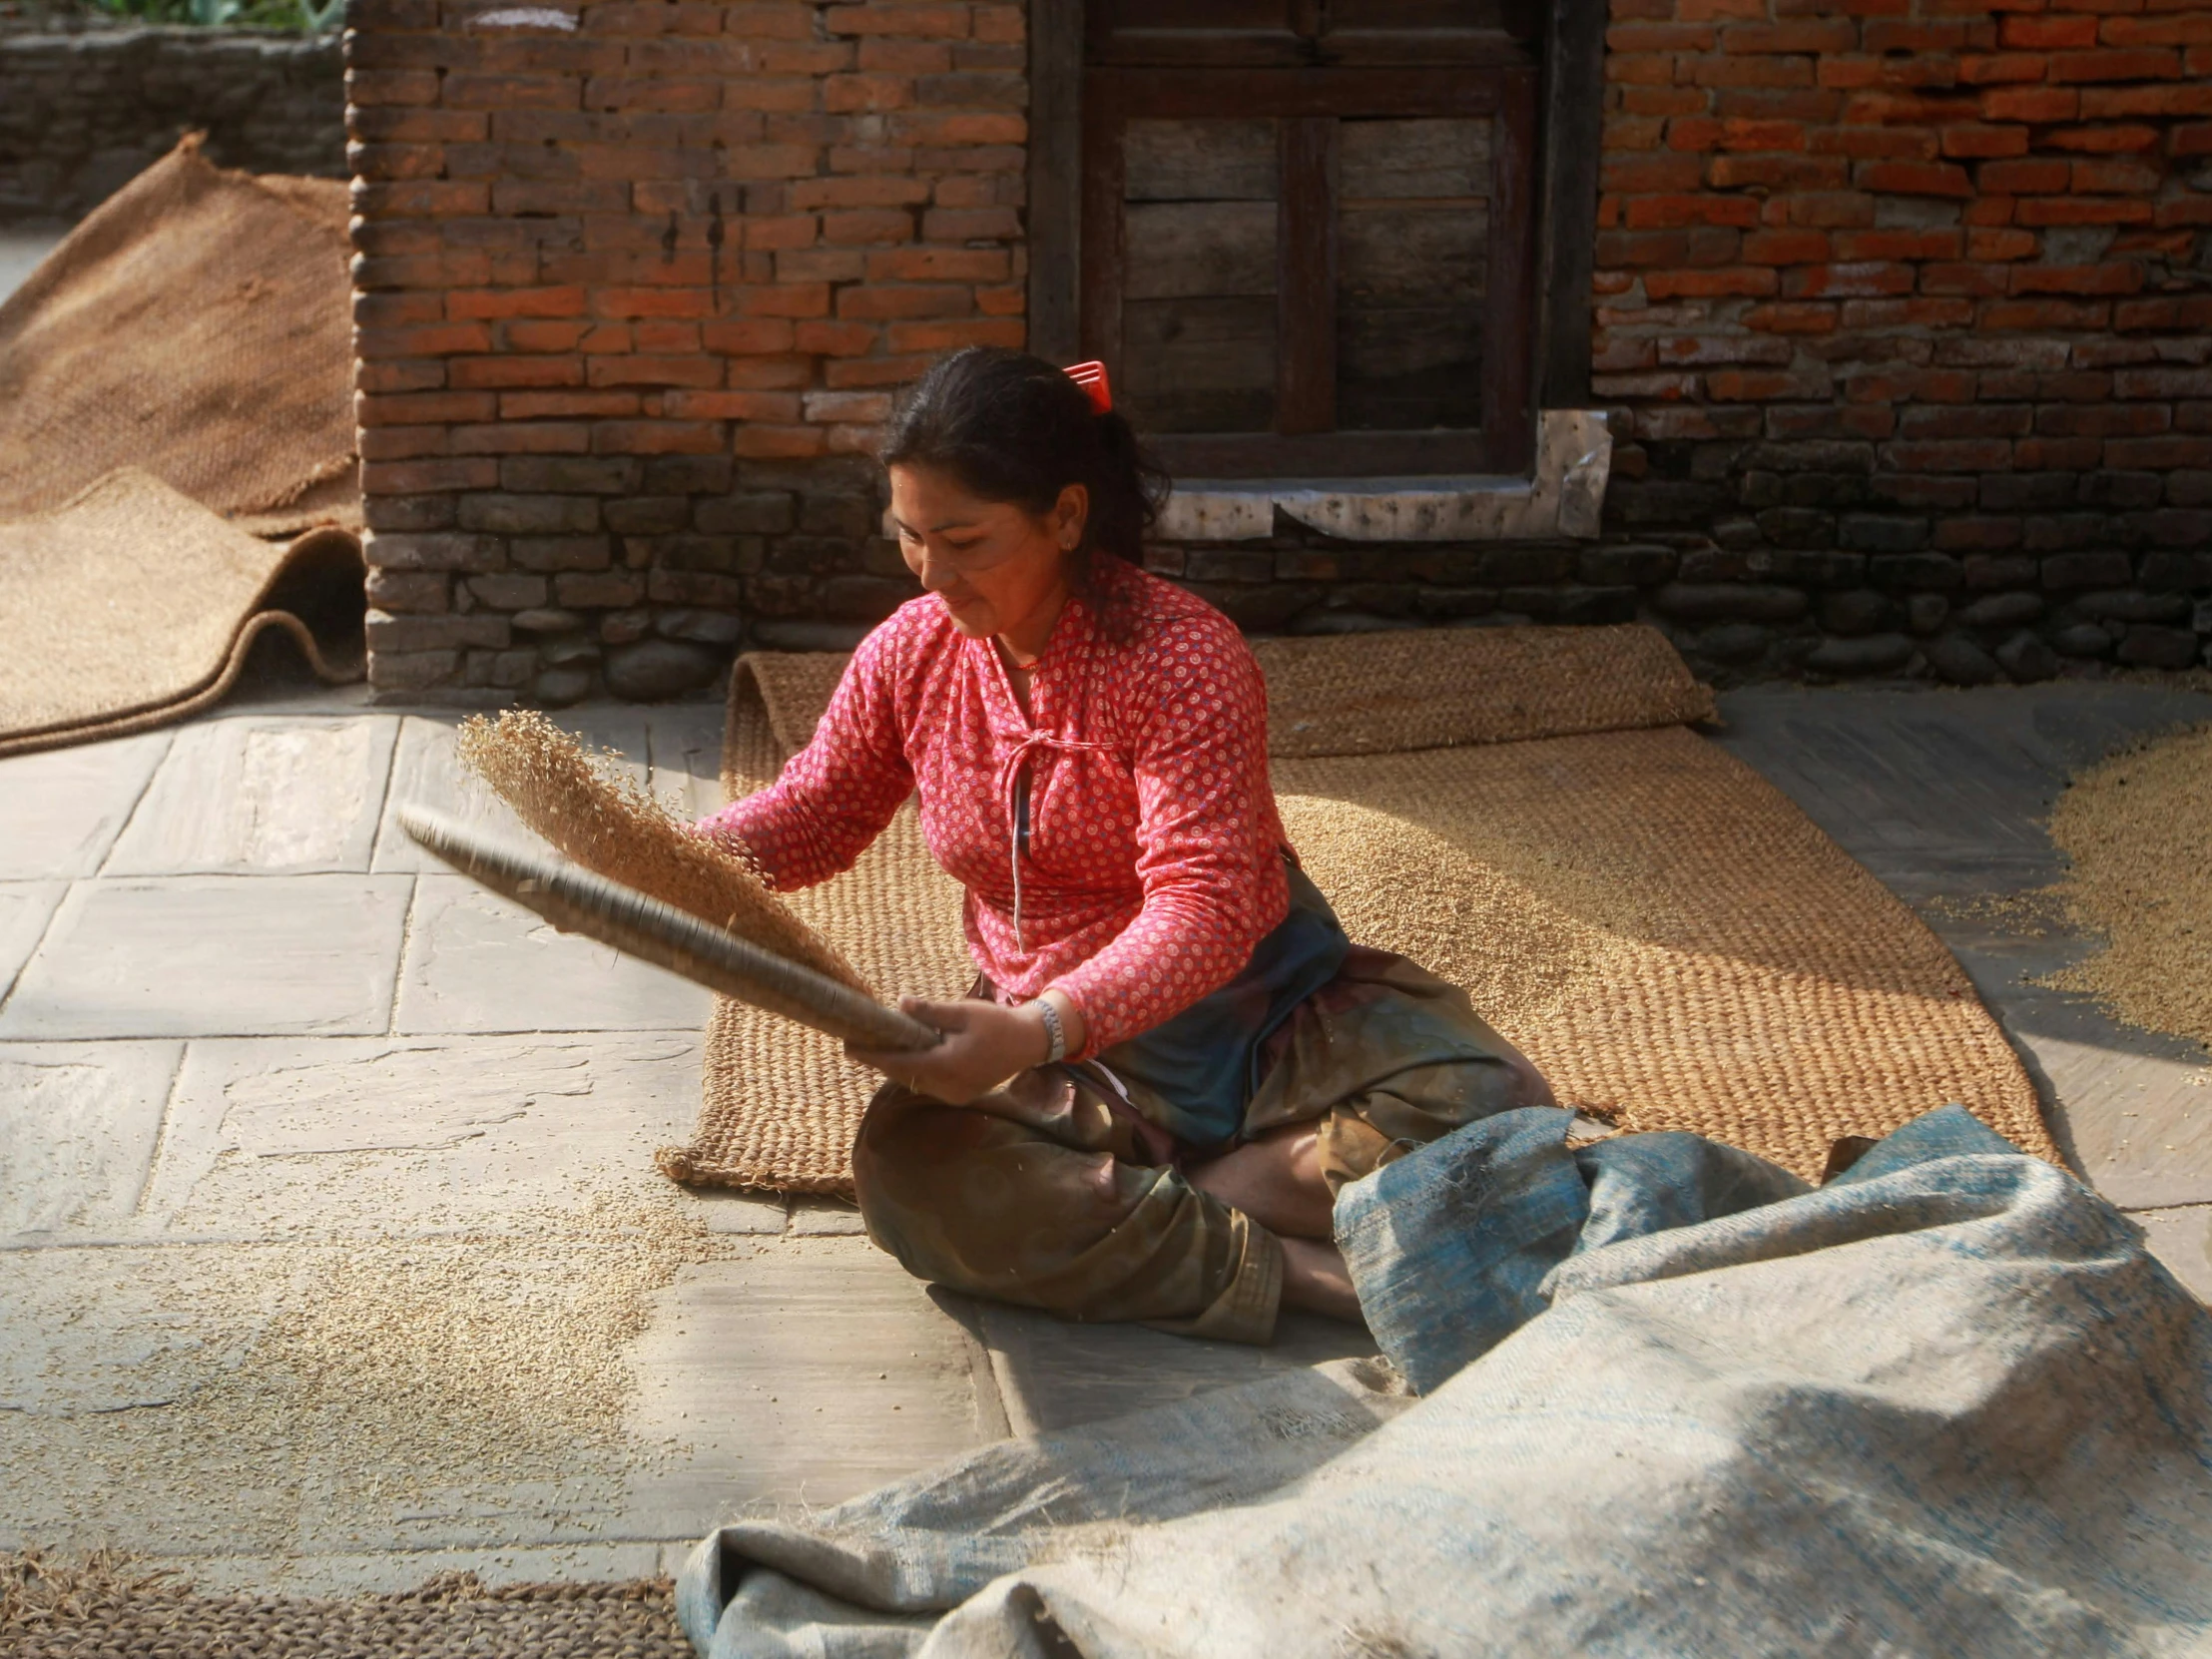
pixel 197 324
pixel 1521 811
pixel 132 607
pixel 126 1618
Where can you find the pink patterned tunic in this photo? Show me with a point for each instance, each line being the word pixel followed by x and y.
pixel 1154 862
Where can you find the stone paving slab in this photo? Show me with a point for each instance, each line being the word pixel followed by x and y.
pixel 61 810
pixel 476 962
pixel 804 1373
pixel 1053 1374
pixel 2182 1240
pixel 25 910
pixel 215 956
pixel 79 1124
pixel 262 794
pixel 391 1135
pixel 427 773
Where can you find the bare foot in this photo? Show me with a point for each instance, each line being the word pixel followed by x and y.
pixel 1274 1179
pixel 1315 1277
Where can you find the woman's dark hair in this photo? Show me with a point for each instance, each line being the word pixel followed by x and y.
pixel 1013 428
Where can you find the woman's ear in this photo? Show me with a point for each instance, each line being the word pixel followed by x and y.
pixel 1069 515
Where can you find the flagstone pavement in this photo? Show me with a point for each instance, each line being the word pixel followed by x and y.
pixel 274 1090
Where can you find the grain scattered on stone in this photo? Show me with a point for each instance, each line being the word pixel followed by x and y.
pixel 2138 830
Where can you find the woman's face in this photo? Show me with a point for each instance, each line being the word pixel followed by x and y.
pixel 997 565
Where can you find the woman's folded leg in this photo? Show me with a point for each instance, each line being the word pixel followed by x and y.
pixel 1035 1195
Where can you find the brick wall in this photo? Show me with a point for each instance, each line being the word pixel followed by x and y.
pixel 632 293
pixel 1904 323
pixel 1906 308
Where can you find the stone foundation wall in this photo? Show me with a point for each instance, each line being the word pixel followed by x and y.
pixel 83 114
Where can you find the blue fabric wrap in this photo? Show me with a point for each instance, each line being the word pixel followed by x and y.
pixel 1453 1246
pixel 1205 1062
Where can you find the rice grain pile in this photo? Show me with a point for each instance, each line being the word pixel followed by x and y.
pixel 2138 830
pixel 595 816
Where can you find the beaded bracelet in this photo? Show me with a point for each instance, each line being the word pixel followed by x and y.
pixel 1055 1032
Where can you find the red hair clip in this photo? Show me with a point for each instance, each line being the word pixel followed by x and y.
pixel 1091 377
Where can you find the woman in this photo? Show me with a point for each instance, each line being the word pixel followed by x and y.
pixel 1174 1057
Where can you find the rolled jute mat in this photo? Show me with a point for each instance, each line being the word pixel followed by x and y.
pixel 197 325
pixel 1521 811
pixel 46 1612
pixel 132 606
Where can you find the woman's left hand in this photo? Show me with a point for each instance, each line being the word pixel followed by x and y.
pixel 984 1044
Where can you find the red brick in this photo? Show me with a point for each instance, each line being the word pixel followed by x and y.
pixel 2030 103
pixel 1807 35
pixel 2192 140
pixel 2135 64
pixel 538 405
pixel 837 340
pixel 1786 247
pixel 400 375
pixel 952 334
pixel 1649 213
pixel 536 335
pixel 846 373
pixel 656 438
pixel 487 303
pixel 732 405
pixel 2038 174
pixel 1753 282
pixel 1950 455
pixel 864 191
pixel 2109 103
pixel 2058 454
pixel 854 93
pixel 1867 144
pixel 792 300
pixel 780 442
pixel 2044 33
pixel 780 373
pixel 1630 39
pixel 1981 140
pixel 636 370
pixel 2002 69
pixel 2191 27
pixel 2052 314
pixel 2105 141
pixel 1999 245
pixel 871 224
pixel 1988 210
pixel 1792 317
pixel 1898 245
pixel 2187 211
pixel 1963 276
pixel 424 408
pixel 1916 179
pixel 2118 276
pixel 402 444
pixel 1777 172
pixel 905 300
pixel 653 302
pixel 437 340
pixel 523 437
pixel 2084 210
pixel 882 18
pixel 504 373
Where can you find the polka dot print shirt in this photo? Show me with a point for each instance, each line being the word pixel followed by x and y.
pixel 1153 860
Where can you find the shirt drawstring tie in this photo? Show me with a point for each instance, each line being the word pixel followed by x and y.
pixel 1009 783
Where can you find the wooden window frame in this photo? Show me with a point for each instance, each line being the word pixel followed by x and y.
pixel 1307 105
pixel 1543 217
